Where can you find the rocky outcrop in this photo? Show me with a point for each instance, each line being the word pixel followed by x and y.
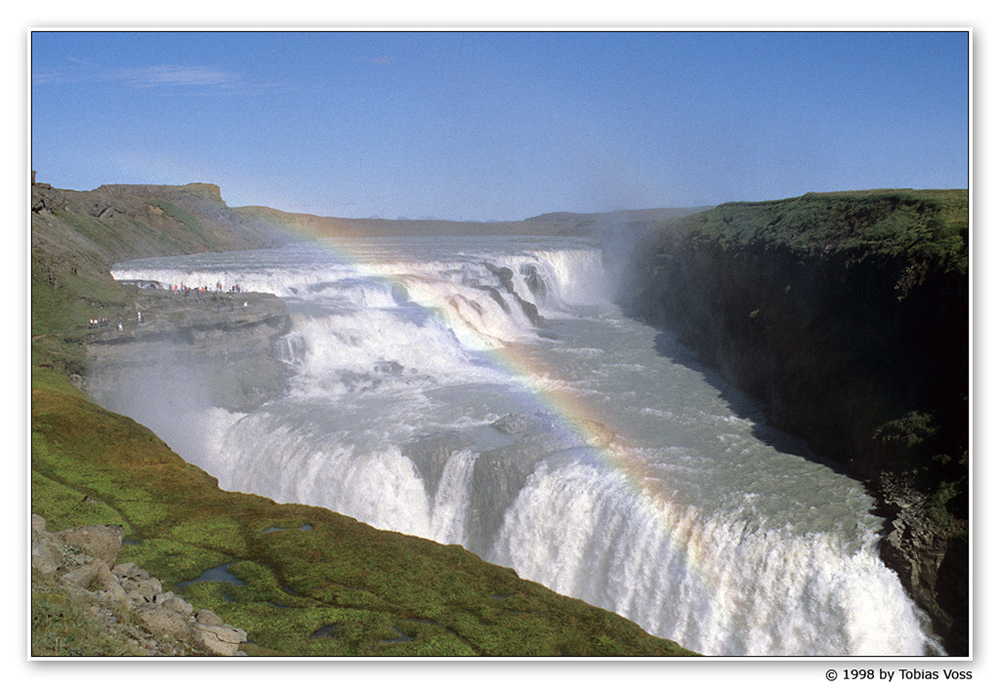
pixel 45 199
pixel 508 451
pixel 225 341
pixel 123 221
pixel 84 562
pixel 500 473
pixel 847 315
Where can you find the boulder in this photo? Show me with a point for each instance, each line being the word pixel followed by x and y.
pixel 100 542
pixel 37 525
pixel 222 639
pixel 83 576
pixel 208 618
pixel 113 591
pixel 129 569
pixel 141 590
pixel 46 551
pixel 172 601
pixel 166 621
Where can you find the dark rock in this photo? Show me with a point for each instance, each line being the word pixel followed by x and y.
pixel 500 474
pixel 430 454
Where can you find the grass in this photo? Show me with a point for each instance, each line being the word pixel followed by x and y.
pixel 189 221
pixel 926 225
pixel 61 625
pixel 64 298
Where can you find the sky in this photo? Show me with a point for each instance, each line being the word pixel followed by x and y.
pixel 500 125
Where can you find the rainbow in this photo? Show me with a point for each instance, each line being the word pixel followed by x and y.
pixel 573 413
pixel 710 577
pixel 536 379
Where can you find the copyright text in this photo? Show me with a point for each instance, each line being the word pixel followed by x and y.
pixel 898 674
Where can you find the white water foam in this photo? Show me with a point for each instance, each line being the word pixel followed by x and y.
pixel 723 586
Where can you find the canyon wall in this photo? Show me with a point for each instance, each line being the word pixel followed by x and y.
pixel 847 314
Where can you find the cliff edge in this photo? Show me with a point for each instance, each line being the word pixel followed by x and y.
pixel 847 314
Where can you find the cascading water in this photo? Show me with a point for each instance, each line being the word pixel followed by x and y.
pixel 486 392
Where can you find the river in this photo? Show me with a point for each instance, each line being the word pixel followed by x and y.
pixel 487 391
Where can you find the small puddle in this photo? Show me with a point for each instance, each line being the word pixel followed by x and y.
pixel 218 574
pixel 324 631
pixel 273 529
pixel 403 638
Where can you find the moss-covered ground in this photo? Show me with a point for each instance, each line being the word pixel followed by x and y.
pixel 925 225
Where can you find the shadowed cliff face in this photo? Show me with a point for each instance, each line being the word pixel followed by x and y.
pixel 848 317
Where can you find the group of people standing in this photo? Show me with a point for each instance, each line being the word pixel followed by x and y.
pixel 178 289
pixel 104 322
pixel 184 289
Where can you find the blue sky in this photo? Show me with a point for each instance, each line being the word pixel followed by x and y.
pixel 500 125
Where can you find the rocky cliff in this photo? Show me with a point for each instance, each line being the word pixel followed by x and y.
pixel 848 316
pixel 226 341
pixel 76 236
pixel 123 221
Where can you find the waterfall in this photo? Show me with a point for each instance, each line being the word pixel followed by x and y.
pixel 485 392
pixel 725 587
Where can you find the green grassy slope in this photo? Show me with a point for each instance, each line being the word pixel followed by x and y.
pixel 930 225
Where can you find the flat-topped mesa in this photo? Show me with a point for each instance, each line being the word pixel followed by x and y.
pixel 211 192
